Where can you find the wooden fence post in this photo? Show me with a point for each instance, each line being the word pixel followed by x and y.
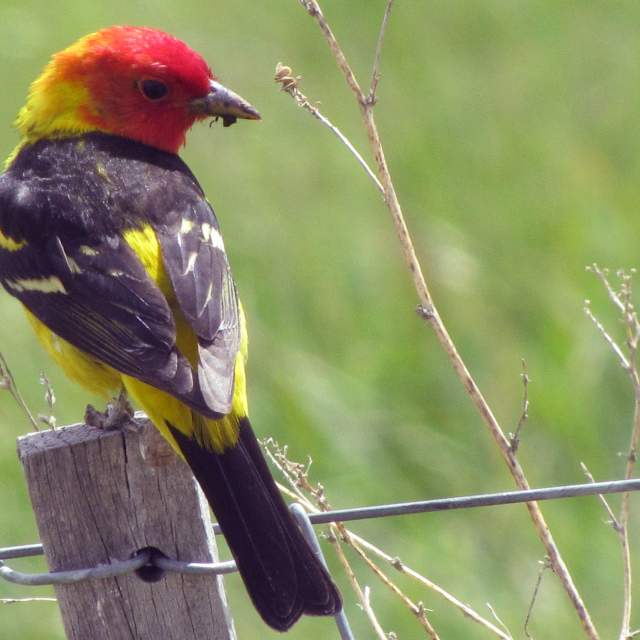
pixel 99 496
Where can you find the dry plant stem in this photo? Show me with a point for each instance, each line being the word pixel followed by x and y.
pixel 355 585
pixel 315 112
pixel 375 74
pixel 417 609
pixel 633 336
pixel 624 517
pixel 622 300
pixel 50 398
pixel 368 610
pixel 499 621
pixel 524 416
pixel 623 533
pixel 10 385
pixel 603 276
pixel 360 593
pixel 430 313
pixel 608 339
pixel 607 507
pixel 544 565
pixel 295 492
pixel 398 565
pixel 287 469
pixel 289 83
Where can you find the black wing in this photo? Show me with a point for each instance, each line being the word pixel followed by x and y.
pixel 82 280
pixel 197 265
pixel 99 298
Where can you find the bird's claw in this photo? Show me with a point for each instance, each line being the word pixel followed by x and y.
pixel 118 414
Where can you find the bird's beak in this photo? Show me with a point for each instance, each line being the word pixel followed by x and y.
pixel 224 103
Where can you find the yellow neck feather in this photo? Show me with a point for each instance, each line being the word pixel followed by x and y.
pixel 57 99
pixel 50 112
pixel 55 103
pixel 52 108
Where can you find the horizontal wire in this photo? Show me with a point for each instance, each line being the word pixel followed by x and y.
pixel 119 568
pixel 339 515
pixel 198 568
pixel 21 551
pixel 480 500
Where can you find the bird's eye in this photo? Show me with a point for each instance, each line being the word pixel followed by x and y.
pixel 153 89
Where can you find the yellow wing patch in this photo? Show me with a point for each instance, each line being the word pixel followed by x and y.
pixel 52 284
pixel 94 376
pixel 10 244
pixel 160 406
pixel 146 246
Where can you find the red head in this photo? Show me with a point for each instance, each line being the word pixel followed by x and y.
pixel 135 82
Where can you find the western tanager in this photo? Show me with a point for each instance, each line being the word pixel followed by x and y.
pixel 108 241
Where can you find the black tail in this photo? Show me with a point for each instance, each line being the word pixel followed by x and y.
pixel 282 575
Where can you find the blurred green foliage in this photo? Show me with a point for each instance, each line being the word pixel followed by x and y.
pixel 511 130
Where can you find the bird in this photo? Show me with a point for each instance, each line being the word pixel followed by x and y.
pixel 110 244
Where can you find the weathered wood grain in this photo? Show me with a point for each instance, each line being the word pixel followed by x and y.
pixel 99 496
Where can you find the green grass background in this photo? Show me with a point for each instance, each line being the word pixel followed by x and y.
pixel 511 128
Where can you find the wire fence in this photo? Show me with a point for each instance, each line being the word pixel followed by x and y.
pixel 150 559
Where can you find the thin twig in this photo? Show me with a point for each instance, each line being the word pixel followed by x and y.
pixel 624 363
pixel 633 334
pixel 422 616
pixel 289 83
pixel 499 620
pixel 438 326
pixel 623 302
pixel 524 416
pixel 8 382
pixel 375 74
pixel 417 609
pixel 603 276
pixel 50 398
pixel 400 566
pixel 624 522
pixel 355 585
pixel 368 609
pixel 613 521
pixel 544 565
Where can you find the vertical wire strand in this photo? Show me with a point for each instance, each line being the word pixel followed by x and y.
pixel 309 533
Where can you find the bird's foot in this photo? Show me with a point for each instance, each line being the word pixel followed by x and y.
pixel 118 414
